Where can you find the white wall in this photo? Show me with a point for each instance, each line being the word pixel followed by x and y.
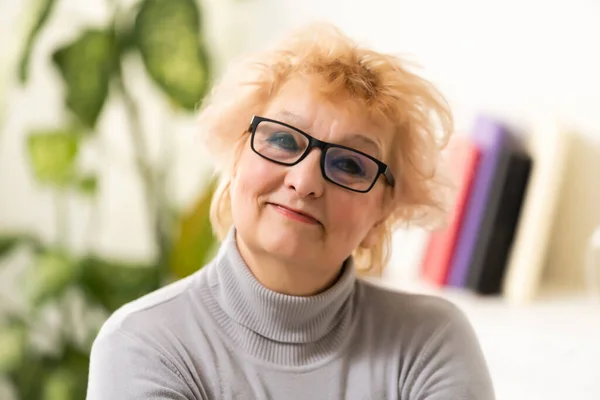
pixel 512 58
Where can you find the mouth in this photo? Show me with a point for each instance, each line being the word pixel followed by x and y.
pixel 296 215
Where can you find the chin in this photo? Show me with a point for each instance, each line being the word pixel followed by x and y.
pixel 288 241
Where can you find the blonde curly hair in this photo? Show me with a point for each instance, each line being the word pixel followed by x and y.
pixel 381 84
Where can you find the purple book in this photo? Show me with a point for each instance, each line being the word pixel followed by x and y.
pixel 492 139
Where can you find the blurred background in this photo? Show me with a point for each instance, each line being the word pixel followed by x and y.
pixel 104 186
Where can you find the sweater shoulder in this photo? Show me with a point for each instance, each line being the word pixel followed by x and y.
pixel 397 307
pixel 431 341
pixel 154 311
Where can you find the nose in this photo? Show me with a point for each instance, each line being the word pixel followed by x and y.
pixel 305 177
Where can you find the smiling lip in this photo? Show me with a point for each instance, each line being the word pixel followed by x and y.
pixel 295 214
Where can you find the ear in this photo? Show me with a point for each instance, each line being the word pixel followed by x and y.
pixel 372 236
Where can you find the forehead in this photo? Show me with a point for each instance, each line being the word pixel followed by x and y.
pixel 337 119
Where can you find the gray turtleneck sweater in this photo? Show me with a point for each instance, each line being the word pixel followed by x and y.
pixel 219 334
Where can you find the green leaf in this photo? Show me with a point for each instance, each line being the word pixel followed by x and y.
pixel 28 377
pixel 53 155
pixel 7 243
pixel 45 10
pixel 60 384
pixel 115 284
pixel 13 340
pixel 68 381
pixel 123 26
pixel 195 241
pixel 52 272
pixel 167 34
pixel 87 185
pixel 86 66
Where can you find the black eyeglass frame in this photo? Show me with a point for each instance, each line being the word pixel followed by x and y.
pixel 323 146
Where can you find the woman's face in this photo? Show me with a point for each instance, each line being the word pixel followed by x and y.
pixel 291 212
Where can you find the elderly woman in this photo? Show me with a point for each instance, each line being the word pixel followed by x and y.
pixel 323 147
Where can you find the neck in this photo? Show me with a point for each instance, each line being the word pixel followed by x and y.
pixel 278 328
pixel 289 278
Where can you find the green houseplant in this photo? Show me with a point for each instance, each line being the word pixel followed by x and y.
pixel 167 36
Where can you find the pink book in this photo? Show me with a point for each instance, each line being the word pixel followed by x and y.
pixel 463 159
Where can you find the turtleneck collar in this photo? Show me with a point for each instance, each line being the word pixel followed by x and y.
pixel 279 328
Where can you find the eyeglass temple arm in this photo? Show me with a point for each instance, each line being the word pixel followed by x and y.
pixel 388 175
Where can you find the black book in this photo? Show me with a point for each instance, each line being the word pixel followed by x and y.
pixel 486 272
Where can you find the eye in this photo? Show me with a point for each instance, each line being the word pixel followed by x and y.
pixel 283 140
pixel 350 166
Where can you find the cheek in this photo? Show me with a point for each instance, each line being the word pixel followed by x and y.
pixel 350 215
pixel 254 177
pixel 353 215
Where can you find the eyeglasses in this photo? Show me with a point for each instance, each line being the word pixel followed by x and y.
pixel 285 145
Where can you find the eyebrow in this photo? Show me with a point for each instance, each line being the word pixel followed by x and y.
pixel 291 119
pixel 301 123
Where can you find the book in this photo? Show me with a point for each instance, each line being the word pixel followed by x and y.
pixel 463 158
pixel 492 138
pixel 487 267
pixel 549 146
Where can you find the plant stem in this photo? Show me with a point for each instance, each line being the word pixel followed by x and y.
pixel 165 218
pixel 152 185
pixel 93 224
pixel 62 219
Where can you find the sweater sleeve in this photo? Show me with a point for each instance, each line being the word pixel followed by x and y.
pixel 451 365
pixel 124 367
